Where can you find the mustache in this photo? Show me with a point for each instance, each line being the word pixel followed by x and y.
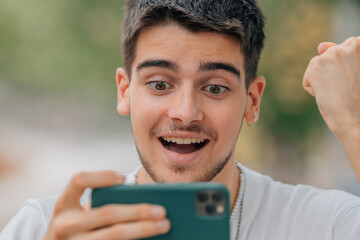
pixel 176 127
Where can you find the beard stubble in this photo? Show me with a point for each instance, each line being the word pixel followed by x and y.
pixel 213 168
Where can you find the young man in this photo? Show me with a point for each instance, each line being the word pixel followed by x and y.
pixel 189 81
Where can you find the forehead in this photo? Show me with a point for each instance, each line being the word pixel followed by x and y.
pixel 175 43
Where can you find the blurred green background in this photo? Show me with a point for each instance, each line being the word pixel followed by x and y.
pixel 58 97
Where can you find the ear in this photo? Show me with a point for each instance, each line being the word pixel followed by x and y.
pixel 122 84
pixel 254 94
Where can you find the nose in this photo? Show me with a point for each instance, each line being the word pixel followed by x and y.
pixel 185 108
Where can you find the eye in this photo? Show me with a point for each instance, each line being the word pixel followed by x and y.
pixel 159 86
pixel 216 89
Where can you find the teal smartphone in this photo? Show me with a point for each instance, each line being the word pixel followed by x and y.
pixel 195 210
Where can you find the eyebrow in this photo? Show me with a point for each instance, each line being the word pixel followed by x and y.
pixel 166 64
pixel 204 66
pixel 209 66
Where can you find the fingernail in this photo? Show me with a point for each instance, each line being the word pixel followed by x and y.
pixel 158 212
pixel 163 225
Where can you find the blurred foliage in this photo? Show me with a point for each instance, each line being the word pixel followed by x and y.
pixel 294 30
pixel 72 48
pixel 61 47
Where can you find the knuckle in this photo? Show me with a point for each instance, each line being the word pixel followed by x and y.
pixel 78 179
pixel 108 176
pixel 142 210
pixel 334 52
pixel 352 43
pixel 352 40
pixel 337 52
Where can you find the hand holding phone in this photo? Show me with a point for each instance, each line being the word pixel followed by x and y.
pixel 195 210
pixel 70 220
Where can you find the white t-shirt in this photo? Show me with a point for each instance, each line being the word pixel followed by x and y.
pixel 271 210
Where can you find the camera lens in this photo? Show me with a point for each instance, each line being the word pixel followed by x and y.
pixel 203 197
pixel 210 209
pixel 217 197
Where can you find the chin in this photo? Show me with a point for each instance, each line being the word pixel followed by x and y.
pixel 203 169
pixel 173 174
pixel 176 174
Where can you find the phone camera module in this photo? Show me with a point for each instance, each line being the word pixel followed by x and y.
pixel 210 203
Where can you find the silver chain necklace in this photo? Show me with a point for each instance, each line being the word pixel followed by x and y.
pixel 238 208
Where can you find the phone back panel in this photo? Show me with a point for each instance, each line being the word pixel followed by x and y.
pixel 182 205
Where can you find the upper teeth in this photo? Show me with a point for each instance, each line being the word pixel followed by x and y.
pixel 183 140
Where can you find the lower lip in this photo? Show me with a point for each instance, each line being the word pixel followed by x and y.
pixel 182 159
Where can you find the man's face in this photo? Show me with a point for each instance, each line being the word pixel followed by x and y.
pixel 187 100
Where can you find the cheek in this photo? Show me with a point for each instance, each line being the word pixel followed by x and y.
pixel 145 115
pixel 228 119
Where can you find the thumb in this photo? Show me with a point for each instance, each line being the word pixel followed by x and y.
pixel 324 46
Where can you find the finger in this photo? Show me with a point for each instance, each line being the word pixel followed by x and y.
pixel 116 213
pixel 133 230
pixel 307 77
pixel 324 46
pixel 74 222
pixel 71 196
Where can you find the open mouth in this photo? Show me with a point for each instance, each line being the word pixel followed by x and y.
pixel 183 145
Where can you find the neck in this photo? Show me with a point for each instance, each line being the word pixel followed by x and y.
pixel 229 176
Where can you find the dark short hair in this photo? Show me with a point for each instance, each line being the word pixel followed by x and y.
pixel 240 18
